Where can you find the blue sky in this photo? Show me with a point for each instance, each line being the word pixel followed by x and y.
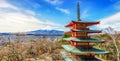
pixel 27 15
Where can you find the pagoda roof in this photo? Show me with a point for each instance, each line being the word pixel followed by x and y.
pixel 84 40
pixel 73 49
pixel 81 22
pixel 89 31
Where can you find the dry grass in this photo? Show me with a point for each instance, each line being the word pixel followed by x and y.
pixel 34 49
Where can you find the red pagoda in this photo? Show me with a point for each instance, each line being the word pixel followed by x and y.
pixel 81 45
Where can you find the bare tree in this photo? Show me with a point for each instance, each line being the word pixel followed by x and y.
pixel 114 36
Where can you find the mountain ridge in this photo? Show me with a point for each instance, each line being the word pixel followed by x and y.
pixel 37 32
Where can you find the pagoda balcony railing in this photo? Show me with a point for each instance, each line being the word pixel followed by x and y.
pixel 80 36
pixel 78 44
pixel 82 28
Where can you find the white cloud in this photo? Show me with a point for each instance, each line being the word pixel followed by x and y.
pixel 21 21
pixel 84 14
pixel 4 4
pixel 66 11
pixel 54 2
pixel 32 4
pixel 111 21
pixel 18 22
pixel 29 12
pixel 117 5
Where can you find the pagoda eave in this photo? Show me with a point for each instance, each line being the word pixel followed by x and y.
pixel 82 51
pixel 84 40
pixel 87 23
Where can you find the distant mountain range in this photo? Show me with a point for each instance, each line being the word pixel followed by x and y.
pixel 46 32
pixel 43 32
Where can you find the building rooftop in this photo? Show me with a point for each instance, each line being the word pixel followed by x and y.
pixel 83 40
pixel 73 49
pixel 81 22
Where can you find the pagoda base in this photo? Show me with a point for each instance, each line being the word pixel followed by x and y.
pixel 89 59
pixel 82 59
pixel 70 57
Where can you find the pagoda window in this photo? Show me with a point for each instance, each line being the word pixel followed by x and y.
pixel 74 43
pixel 71 43
pixel 74 26
pixel 81 34
pixel 84 25
pixel 85 44
pixel 73 34
pixel 78 26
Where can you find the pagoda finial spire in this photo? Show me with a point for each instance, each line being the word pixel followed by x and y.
pixel 78 11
